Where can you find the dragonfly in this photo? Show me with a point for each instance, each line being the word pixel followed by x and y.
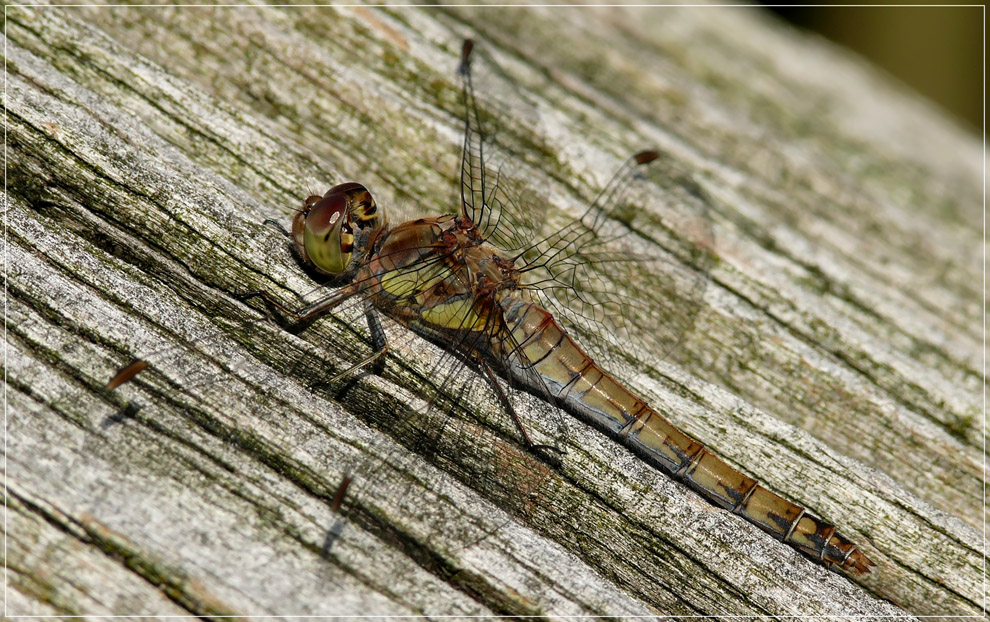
pixel 514 303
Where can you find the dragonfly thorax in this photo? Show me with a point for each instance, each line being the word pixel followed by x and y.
pixel 438 273
pixel 488 272
pixel 334 233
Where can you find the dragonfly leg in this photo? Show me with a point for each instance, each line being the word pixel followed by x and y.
pixel 507 405
pixel 378 339
pixel 297 320
pixel 279 312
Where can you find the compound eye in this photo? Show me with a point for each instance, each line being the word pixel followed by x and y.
pixel 299 224
pixel 333 233
pixel 324 218
pixel 328 238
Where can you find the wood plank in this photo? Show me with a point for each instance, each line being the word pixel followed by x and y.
pixel 837 357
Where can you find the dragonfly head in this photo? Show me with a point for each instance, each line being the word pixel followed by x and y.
pixel 333 233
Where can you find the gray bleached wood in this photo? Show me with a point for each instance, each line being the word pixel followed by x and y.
pixel 836 359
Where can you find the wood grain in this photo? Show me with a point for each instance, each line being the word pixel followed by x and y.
pixel 837 357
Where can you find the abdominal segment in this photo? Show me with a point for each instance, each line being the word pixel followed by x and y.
pixel 537 343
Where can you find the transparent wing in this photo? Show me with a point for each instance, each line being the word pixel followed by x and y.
pixel 500 133
pixel 632 270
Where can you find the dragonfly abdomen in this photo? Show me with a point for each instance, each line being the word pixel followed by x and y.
pixel 539 344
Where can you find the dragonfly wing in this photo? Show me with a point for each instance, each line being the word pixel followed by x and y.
pixel 632 271
pixel 506 210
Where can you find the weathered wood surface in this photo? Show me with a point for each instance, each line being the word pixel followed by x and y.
pixel 837 357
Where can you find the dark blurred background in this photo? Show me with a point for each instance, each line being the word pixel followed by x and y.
pixel 937 50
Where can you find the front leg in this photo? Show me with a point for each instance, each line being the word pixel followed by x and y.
pixel 298 320
pixel 379 342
